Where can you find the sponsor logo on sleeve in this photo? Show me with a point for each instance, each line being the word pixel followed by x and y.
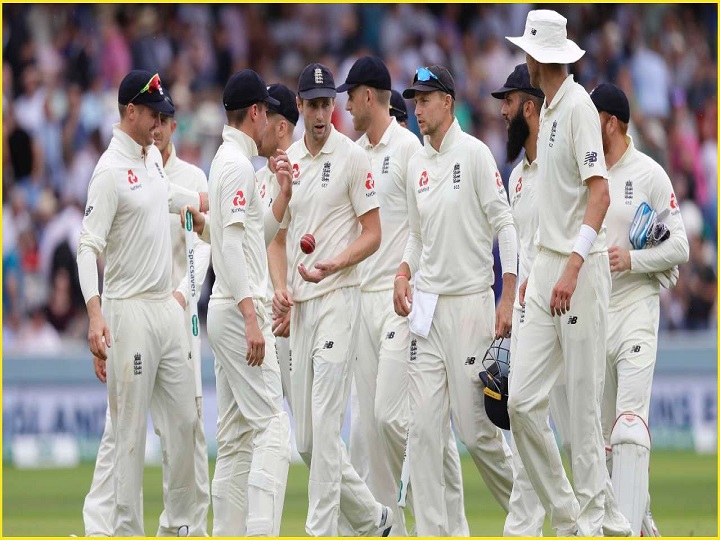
pixel 370 185
pixel 424 182
pixel 590 159
pixel 238 202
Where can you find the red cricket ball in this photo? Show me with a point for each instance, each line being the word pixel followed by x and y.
pixel 307 243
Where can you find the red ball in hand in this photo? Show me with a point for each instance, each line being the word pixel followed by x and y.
pixel 307 243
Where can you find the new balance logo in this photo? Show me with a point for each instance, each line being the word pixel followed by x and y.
pixel 635 348
pixel 470 360
pixel 137 364
pixel 390 335
pixel 572 319
pixel 328 345
pixel 88 210
pixel 533 32
pixel 590 159
pixel 413 350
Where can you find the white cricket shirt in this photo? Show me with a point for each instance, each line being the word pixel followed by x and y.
pixel 634 179
pixel 330 192
pixel 389 160
pixel 235 198
pixel 523 202
pixel 569 152
pixel 126 217
pixel 456 205
pixel 182 173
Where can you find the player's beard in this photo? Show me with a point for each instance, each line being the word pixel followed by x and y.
pixel 518 133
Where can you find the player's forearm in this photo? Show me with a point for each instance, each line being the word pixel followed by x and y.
pixel 413 250
pixel 88 273
pixel 674 251
pixel 507 245
pixel 360 249
pixel 598 202
pixel 277 260
pixel 508 288
pixel 274 216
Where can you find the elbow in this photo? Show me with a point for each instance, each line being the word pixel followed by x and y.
pixel 604 198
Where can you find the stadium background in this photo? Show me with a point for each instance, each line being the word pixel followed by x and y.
pixel 61 68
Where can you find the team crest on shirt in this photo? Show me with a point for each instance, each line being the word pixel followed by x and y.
pixel 385 165
pixel 424 182
pixel 628 192
pixel 370 185
pixel 296 174
pixel 325 178
pixel 553 132
pixel 160 170
pixel 456 176
pixel 133 180
pixel 238 202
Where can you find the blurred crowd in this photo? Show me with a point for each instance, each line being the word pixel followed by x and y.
pixel 62 64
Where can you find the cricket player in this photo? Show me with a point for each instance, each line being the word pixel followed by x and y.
pixel 565 326
pixel 521 110
pixel 333 199
pixel 380 422
pixel 398 108
pixel 282 119
pixel 144 339
pixel 248 488
pixel 97 510
pixel 456 204
pixel 634 310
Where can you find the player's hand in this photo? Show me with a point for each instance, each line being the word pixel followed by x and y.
pixel 279 165
pixel 503 318
pixel 523 288
pixel 197 217
pixel 319 272
pixel 99 337
pixel 281 304
pixel 281 326
pixel 255 342
pixel 100 372
pixel 565 286
pixel 619 259
pixel 180 299
pixel 402 296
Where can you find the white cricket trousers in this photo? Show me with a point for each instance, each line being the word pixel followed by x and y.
pixel 526 515
pixel 574 345
pixel 98 506
pixel 380 421
pixel 323 336
pixel 284 357
pixel 248 489
pixel 149 368
pixel 444 377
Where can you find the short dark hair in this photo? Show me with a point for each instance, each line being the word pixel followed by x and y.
pixel 238 116
pixel 122 109
pixel 537 101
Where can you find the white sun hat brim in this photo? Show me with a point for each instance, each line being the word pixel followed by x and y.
pixel 567 54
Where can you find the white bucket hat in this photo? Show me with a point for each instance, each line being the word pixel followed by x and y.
pixel 545 38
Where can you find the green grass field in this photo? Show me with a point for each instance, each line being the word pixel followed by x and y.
pixel 683 488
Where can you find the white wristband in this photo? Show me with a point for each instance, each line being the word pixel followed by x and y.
pixel 585 240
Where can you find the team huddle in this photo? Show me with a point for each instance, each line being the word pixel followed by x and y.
pixel 364 269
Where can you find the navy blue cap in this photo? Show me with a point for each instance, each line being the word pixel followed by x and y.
pixel 519 79
pixel 141 87
pixel 398 107
pixel 287 106
pixel 438 78
pixel 609 98
pixel 316 81
pixel 369 71
pixel 246 88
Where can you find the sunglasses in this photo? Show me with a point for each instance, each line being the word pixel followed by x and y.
pixel 424 74
pixel 152 85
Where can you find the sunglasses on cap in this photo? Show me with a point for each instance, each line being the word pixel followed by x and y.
pixel 424 74
pixel 152 85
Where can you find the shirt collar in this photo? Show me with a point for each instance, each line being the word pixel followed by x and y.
pixel 450 137
pixel 126 144
pixel 629 151
pixel 327 148
pixel 172 159
pixel 569 80
pixel 386 136
pixel 241 139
